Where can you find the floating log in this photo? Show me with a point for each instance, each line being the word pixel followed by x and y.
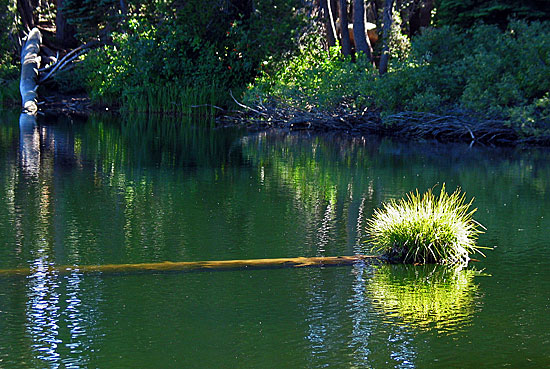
pixel 169 266
pixel 30 63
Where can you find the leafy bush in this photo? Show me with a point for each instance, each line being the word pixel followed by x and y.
pixel 483 71
pixel 465 13
pixel 189 45
pixel 9 92
pixel 315 78
pixel 9 72
pixel 7 49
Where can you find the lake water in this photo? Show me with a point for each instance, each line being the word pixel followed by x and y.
pixel 142 190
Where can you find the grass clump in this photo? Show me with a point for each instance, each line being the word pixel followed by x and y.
pixel 426 228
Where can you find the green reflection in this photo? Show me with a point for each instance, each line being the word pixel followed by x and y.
pixel 425 297
pixel 116 191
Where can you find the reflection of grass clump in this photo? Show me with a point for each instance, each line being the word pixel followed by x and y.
pixel 425 297
pixel 426 229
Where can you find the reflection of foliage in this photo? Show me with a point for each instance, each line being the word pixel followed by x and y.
pixel 313 167
pixel 424 297
pixel 316 169
pixel 426 229
pixel 324 177
pixel 141 140
pixel 8 133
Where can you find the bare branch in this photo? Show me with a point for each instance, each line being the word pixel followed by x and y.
pixel 244 106
pixel 72 55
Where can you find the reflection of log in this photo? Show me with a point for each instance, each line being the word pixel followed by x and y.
pixel 30 62
pixel 29 146
pixel 168 266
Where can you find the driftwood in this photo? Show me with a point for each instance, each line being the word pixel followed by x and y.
pixel 62 63
pixel 458 126
pixel 168 266
pixel 30 63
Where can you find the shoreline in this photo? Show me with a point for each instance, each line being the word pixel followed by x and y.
pixel 404 125
pixel 343 120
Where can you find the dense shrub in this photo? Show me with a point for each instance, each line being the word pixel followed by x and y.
pixel 465 13
pixel 315 78
pixel 482 71
pixel 9 84
pixel 192 44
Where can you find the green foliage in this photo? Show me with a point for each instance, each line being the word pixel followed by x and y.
pixel 400 44
pixel 483 71
pixel 187 45
pixel 9 92
pixel 425 229
pixel 465 13
pixel 9 72
pixel 194 102
pixel 92 18
pixel 69 81
pixel 314 78
pixel 7 47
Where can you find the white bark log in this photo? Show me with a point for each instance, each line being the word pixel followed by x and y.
pixel 30 63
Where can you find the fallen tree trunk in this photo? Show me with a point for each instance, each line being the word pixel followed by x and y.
pixel 30 63
pixel 169 266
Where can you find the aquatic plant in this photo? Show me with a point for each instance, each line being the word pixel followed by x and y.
pixel 426 228
pixel 197 102
pixel 424 297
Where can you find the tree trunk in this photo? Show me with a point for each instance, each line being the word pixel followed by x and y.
pixel 64 32
pixel 26 12
pixel 344 32
pixel 385 57
pixel 30 63
pixel 362 43
pixel 328 21
pixel 421 16
pixel 123 8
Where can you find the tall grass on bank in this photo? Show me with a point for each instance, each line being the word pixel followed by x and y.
pixel 426 228
pixel 9 84
pixel 196 102
pixel 9 92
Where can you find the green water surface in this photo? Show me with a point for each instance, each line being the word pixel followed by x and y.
pixel 139 190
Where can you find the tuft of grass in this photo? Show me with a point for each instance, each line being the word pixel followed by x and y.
pixel 426 228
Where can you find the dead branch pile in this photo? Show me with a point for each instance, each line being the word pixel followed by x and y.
pixel 275 114
pixel 419 125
